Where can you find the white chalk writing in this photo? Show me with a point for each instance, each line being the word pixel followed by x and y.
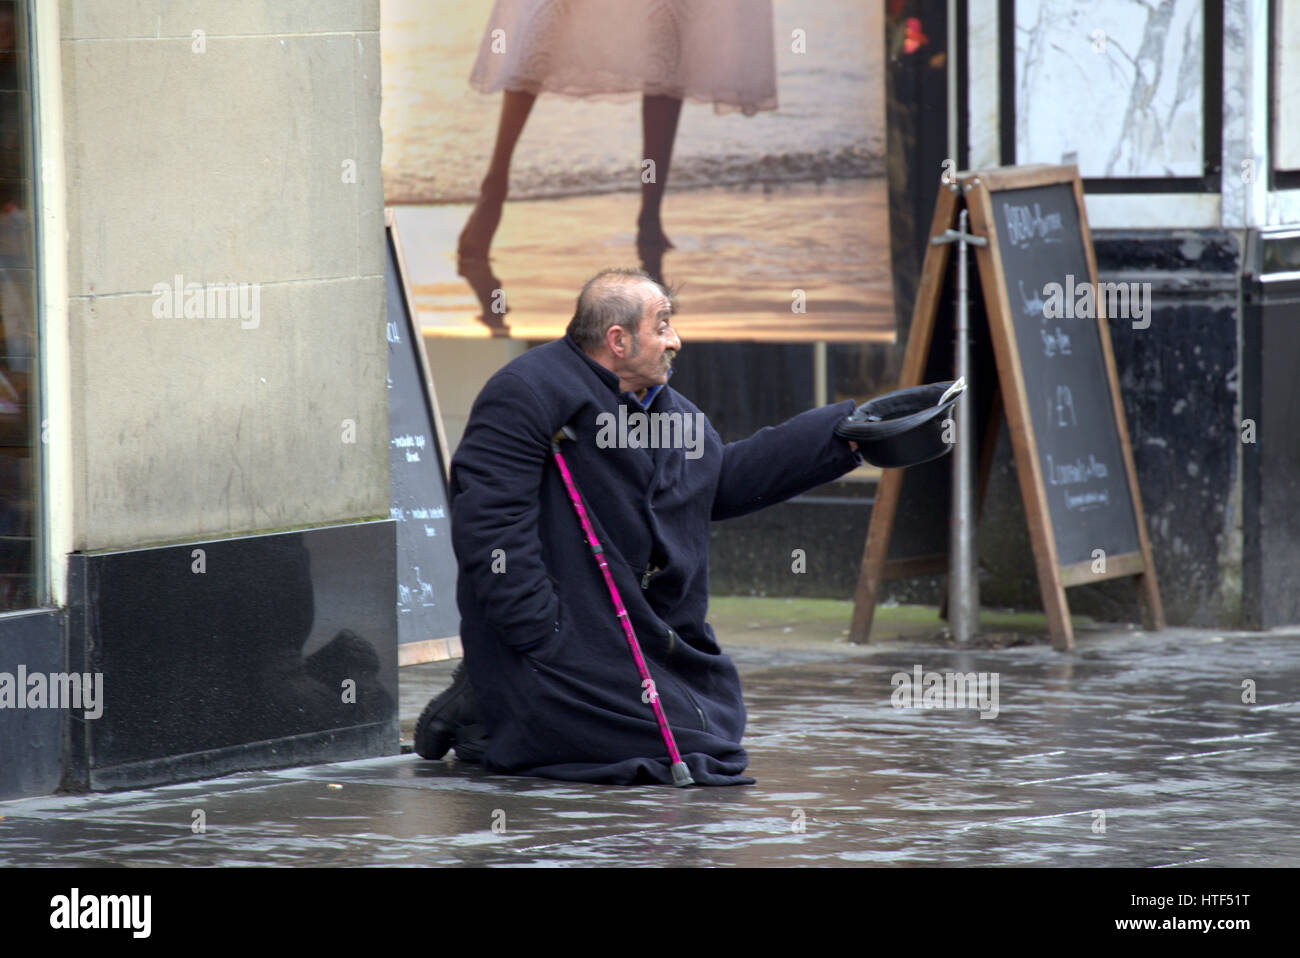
pixel 1086 500
pixel 1055 343
pixel 1023 226
pixel 1065 473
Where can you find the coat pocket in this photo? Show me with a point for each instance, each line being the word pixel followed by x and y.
pixel 687 711
pixel 545 649
pixel 690 697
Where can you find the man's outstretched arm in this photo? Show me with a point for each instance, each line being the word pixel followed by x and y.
pixel 496 480
pixel 778 462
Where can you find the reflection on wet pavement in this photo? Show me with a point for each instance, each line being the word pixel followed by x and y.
pixel 1136 750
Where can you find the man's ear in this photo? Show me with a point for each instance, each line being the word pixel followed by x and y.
pixel 618 341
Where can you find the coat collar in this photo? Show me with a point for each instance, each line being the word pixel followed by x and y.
pixel 610 379
pixel 606 376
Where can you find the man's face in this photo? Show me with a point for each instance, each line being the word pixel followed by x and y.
pixel 654 346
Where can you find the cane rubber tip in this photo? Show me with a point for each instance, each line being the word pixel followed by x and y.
pixel 682 775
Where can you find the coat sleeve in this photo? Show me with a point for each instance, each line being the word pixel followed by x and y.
pixel 778 462
pixel 496 482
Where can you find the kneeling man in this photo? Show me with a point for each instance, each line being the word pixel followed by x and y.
pixel 552 689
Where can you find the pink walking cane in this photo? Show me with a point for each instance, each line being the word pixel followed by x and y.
pixel 681 774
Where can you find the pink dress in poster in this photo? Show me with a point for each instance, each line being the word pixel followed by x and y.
pixel 711 51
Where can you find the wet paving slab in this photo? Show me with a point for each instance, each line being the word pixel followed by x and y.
pixel 1135 750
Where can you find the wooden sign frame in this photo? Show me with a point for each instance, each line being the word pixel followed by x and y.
pixel 977 189
pixel 444 647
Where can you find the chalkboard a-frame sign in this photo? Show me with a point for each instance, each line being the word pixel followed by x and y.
pixel 428 622
pixel 1055 383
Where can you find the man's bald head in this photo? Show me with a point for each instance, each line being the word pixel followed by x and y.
pixel 613 297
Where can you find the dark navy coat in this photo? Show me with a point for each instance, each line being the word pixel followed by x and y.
pixel 556 684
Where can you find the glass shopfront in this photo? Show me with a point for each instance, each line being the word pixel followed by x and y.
pixel 20 417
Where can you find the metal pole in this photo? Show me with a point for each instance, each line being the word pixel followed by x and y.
pixel 820 389
pixel 963 582
pixel 963 585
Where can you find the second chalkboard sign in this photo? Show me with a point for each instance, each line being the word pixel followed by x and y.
pixel 1055 383
pixel 428 622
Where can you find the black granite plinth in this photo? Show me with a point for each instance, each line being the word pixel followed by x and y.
pixel 238 653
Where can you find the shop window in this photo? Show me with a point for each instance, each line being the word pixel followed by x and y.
pixel 20 423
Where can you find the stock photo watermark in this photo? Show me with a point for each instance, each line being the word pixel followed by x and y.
pixel 77 911
pixel 182 300
pixel 919 689
pixel 54 690
pixel 655 430
pixel 1081 300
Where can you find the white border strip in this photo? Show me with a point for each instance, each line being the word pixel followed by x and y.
pixel 1134 211
pixel 52 274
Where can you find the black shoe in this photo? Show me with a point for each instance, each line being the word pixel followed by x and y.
pixel 471 743
pixel 454 708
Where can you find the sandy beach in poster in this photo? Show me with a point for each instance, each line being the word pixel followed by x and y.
pixel 742 254
pixel 758 207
